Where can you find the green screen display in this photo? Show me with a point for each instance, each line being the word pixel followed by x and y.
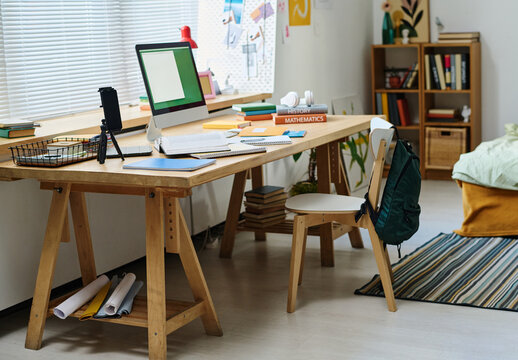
pixel 188 78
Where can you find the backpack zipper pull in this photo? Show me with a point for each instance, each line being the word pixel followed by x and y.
pixel 399 250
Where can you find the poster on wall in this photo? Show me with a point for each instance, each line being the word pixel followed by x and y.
pixel 239 45
pixel 300 12
pixel 357 157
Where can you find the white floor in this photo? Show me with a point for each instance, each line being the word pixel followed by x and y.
pixel 249 293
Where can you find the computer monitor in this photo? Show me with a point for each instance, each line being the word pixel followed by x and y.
pixel 172 85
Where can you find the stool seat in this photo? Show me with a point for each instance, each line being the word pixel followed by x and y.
pixel 323 203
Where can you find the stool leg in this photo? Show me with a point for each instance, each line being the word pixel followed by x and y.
pixel 303 254
pixel 49 254
pixel 296 260
pixel 155 275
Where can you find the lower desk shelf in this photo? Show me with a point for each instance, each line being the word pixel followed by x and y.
pixel 286 227
pixel 178 313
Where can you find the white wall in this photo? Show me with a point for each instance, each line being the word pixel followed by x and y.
pixel 496 22
pixel 331 57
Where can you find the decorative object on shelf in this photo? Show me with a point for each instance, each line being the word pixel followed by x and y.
pixel 466 112
pixel 439 24
pixel 405 33
pixel 387 28
pixel 394 80
pixel 416 19
pixel 397 17
pixel 185 32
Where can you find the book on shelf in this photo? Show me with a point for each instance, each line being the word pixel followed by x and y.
pixel 266 210
pixel 385 108
pixel 404 114
pixel 265 207
pixel 300 119
pixel 453 73
pixel 379 107
pixel 460 35
pixel 406 75
pixel 440 71
pixel 458 72
pixel 393 110
pixel 302 109
pixel 464 71
pixel 263 224
pixel 442 111
pixel 253 107
pixel 264 192
pixel 447 71
pixel 17 132
pixel 435 74
pixel 226 124
pixel 255 117
pixel 413 77
pixel 427 73
pixel 457 41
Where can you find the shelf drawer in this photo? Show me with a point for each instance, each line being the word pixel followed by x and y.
pixel 444 146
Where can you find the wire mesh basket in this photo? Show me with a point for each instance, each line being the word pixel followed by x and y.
pixel 54 153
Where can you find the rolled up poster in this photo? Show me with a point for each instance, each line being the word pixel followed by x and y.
pixel 120 292
pixel 101 314
pixel 96 303
pixel 80 298
pixel 127 303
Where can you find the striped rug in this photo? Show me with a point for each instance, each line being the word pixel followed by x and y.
pixel 451 269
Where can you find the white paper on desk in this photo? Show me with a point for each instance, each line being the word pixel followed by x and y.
pixel 80 298
pixel 120 292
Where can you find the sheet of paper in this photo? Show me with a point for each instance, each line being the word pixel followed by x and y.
pixel 163 76
pixel 80 298
pixel 120 292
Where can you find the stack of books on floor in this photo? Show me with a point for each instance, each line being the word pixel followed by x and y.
pixel 447 71
pixel 394 107
pixel 301 114
pixel 254 111
pixel 16 128
pixel 459 37
pixel 442 115
pixel 265 206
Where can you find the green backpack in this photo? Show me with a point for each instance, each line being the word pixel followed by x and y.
pixel 398 216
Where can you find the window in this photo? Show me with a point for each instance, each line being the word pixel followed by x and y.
pixel 54 55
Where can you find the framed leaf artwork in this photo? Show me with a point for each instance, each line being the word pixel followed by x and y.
pixel 413 15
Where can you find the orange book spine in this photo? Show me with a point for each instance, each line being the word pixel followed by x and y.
pixel 300 119
pixel 256 117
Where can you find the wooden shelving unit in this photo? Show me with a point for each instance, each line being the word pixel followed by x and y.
pixel 398 55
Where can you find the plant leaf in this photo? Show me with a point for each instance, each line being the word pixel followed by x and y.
pixel 418 18
pixel 406 11
pixel 296 157
pixel 407 24
pixel 414 8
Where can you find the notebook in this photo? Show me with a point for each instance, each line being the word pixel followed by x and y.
pixel 226 124
pixel 295 133
pixel 235 149
pixel 263 131
pixel 267 140
pixel 169 164
pixel 195 143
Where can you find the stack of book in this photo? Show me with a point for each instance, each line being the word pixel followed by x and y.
pixel 442 115
pixel 144 103
pixel 265 206
pixel 394 107
pixel 301 114
pixel 459 37
pixel 16 128
pixel 446 71
pixel 254 111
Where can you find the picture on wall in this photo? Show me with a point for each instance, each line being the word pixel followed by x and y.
pixel 357 158
pixel 299 12
pixel 413 15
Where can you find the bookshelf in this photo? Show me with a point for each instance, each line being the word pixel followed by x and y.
pixel 420 99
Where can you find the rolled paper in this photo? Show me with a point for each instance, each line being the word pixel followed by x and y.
pixel 80 298
pixel 115 300
pixel 101 313
pixel 127 303
pixel 96 303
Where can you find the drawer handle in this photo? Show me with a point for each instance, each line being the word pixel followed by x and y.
pixel 445 133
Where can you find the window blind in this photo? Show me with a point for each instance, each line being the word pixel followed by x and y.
pixel 56 54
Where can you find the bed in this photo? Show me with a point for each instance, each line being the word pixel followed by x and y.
pixel 488 177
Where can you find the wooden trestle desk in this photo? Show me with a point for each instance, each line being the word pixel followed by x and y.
pixel 161 190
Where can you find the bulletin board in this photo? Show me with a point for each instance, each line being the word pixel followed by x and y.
pixel 236 38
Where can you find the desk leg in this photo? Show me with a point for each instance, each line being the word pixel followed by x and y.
pixel 85 251
pixel 49 254
pixel 339 178
pixel 155 271
pixel 257 182
pixel 324 186
pixel 234 208
pixel 194 274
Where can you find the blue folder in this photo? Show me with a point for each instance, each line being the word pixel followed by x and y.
pixel 169 164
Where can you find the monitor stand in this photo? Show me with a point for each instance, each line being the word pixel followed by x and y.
pixel 152 132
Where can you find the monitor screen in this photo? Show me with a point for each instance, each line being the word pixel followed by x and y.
pixel 171 81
